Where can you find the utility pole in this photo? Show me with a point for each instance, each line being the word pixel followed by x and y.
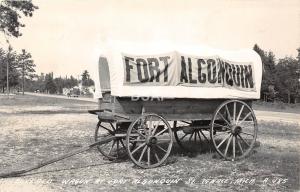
pixel 23 77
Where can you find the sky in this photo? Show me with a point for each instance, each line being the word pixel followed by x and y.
pixel 67 36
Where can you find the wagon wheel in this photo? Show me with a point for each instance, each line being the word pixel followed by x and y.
pixel 153 137
pixel 114 149
pixel 189 139
pixel 235 127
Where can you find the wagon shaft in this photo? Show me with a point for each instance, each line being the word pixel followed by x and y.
pixel 47 162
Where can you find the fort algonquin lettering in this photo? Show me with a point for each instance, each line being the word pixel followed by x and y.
pixel 183 70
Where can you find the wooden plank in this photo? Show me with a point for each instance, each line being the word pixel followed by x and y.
pixel 171 109
pixel 167 106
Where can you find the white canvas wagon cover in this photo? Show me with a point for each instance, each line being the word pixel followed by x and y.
pixel 180 72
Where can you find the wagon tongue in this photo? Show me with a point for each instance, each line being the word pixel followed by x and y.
pixel 47 162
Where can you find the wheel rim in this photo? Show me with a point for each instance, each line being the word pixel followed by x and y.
pixel 114 149
pixel 233 129
pixel 189 140
pixel 152 136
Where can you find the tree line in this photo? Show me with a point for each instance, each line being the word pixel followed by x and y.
pixel 19 70
pixel 281 78
pixel 46 83
pixel 16 68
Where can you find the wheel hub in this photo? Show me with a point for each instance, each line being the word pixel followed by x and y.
pixel 235 129
pixel 151 141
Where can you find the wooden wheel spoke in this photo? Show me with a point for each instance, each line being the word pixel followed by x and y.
pixel 142 154
pixel 161 148
pixel 150 127
pixel 191 137
pixel 112 146
pixel 240 147
pixel 234 111
pixel 246 117
pixel 223 140
pixel 159 133
pixel 246 133
pixel 199 136
pixel 117 148
pixel 156 156
pixel 155 127
pixel 113 127
pixel 233 147
pixel 139 133
pixel 239 115
pixel 228 113
pixel 183 136
pixel 110 131
pixel 195 136
pixel 228 143
pixel 243 140
pixel 139 147
pixel 203 135
pixel 122 144
pixel 148 154
pixel 223 118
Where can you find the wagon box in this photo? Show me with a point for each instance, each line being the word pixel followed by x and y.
pixel 200 97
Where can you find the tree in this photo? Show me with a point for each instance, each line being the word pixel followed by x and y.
pixel 13 73
pixel 10 14
pixel 10 24
pixel 86 80
pixel 268 78
pixel 50 84
pixel 60 84
pixel 287 78
pixel 2 69
pixel 26 66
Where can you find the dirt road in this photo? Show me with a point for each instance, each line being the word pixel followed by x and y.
pixel 62 97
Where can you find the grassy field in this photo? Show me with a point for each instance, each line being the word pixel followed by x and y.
pixel 277 106
pixel 37 128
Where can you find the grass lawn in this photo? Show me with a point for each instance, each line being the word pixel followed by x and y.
pixel 277 106
pixel 36 104
pixel 27 137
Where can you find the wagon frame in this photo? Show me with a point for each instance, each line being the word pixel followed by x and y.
pixel 142 127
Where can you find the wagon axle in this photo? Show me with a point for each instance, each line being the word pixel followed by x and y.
pixel 151 141
pixel 235 130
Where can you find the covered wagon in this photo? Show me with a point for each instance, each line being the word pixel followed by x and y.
pixel 147 96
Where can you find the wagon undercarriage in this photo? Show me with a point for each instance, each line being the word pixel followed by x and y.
pixel 147 138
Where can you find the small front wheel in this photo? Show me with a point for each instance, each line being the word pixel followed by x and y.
pixel 152 136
